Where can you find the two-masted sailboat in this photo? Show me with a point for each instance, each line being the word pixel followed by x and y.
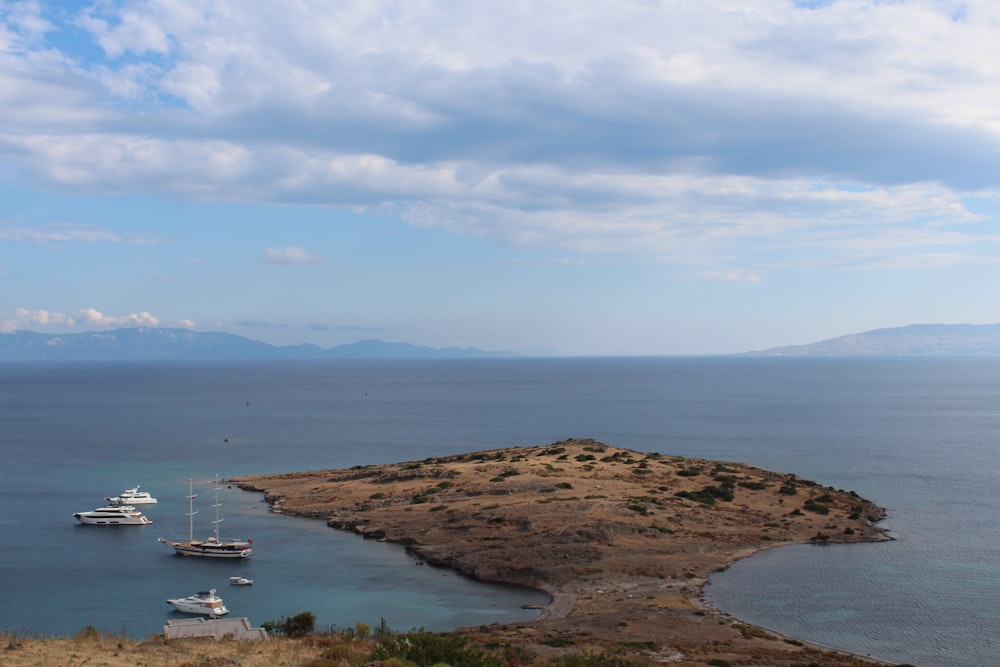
pixel 215 546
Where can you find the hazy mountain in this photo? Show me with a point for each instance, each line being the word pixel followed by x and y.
pixel 160 344
pixel 916 339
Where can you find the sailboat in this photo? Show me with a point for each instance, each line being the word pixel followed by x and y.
pixel 215 546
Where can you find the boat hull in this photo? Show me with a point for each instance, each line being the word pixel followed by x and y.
pixel 112 516
pixel 108 521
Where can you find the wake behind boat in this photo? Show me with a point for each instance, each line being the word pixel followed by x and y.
pixel 206 603
pixel 132 496
pixel 215 546
pixel 113 515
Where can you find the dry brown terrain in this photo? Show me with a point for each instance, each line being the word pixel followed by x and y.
pixel 601 529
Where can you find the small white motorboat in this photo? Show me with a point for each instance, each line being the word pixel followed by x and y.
pixel 240 581
pixel 113 515
pixel 205 603
pixel 132 496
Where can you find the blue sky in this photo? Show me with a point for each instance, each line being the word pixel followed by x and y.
pixel 608 177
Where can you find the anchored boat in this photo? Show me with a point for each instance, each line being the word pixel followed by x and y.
pixel 113 515
pixel 132 496
pixel 215 546
pixel 206 603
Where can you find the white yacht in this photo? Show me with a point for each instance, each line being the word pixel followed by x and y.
pixel 206 603
pixel 132 496
pixel 113 515
pixel 212 547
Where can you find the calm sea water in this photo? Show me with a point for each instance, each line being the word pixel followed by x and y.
pixel 918 436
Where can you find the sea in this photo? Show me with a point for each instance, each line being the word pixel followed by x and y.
pixel 918 436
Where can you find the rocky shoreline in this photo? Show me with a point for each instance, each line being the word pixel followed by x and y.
pixel 623 541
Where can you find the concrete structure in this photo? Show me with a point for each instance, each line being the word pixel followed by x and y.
pixel 219 628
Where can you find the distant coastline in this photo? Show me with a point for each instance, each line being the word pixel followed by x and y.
pixel 161 344
pixel 923 340
pixel 166 344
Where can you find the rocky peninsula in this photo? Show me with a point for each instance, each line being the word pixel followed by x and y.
pixel 623 541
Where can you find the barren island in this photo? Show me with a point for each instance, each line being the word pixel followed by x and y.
pixel 623 541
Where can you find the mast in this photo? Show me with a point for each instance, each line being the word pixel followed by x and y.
pixel 217 505
pixel 191 511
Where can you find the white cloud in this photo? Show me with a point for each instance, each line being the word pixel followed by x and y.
pixel 730 276
pixel 291 255
pixel 658 130
pixel 85 318
pixel 61 232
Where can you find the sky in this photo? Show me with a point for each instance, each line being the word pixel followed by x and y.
pixel 609 177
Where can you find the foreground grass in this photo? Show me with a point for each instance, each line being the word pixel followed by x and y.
pixel 93 647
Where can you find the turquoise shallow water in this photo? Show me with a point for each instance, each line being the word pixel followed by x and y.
pixel 915 435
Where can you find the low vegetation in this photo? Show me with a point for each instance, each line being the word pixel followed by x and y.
pixel 295 644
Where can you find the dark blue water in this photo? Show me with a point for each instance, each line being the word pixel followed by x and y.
pixel 916 435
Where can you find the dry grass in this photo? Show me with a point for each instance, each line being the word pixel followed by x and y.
pixel 94 648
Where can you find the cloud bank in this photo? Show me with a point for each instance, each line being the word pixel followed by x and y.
pixel 861 133
pixel 87 318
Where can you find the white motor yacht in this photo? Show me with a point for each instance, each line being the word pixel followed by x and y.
pixel 206 603
pixel 113 515
pixel 132 496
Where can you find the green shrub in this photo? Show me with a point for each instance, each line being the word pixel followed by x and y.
pixel 708 495
pixel 697 496
pixel 815 506
pixel 297 626
pixel 509 472
pixel 430 648
pixel 557 642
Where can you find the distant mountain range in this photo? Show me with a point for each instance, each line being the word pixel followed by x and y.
pixel 916 339
pixel 162 344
